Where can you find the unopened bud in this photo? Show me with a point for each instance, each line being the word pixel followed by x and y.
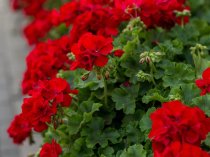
pixel 99 77
pixel 71 56
pixel 85 76
pixel 148 60
pixel 107 75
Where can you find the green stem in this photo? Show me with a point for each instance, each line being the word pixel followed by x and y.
pixel 105 91
pixel 182 22
pixel 152 70
pixel 31 139
pixel 197 62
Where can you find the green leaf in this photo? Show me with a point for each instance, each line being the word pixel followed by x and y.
pixel 125 98
pixel 77 120
pixel 188 92
pixel 112 135
pixel 74 123
pixel 132 133
pixel 153 95
pixel 79 149
pixel 207 140
pixel 177 74
pixel 134 151
pixel 107 152
pixel 171 48
pixel 146 123
pixel 203 102
pixel 93 132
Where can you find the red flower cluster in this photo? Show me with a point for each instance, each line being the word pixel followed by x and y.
pixel 204 83
pixel 44 62
pixel 91 50
pixel 177 122
pixel 39 27
pixel 118 53
pixel 101 16
pixel 50 149
pixel 38 109
pixel 184 150
pixel 19 129
pixel 154 12
pixel 29 7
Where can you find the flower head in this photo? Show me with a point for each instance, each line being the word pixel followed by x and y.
pixel 91 50
pixel 51 149
pixel 204 82
pixel 178 122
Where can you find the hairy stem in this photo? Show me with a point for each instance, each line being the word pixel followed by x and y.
pixel 105 91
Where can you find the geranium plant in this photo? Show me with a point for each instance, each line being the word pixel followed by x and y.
pixel 116 78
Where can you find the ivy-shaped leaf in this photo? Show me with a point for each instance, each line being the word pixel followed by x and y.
pixel 188 92
pixel 79 149
pixel 93 133
pixel 177 74
pixel 146 123
pixel 124 99
pixel 76 121
pixel 134 151
pixel 107 152
pixel 203 102
pixel 153 95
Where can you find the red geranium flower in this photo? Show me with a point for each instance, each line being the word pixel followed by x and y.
pixel 56 91
pixel 204 83
pixel 153 12
pixel 44 101
pixel 19 129
pixel 178 122
pixel 39 27
pixel 178 149
pixel 29 7
pixel 118 53
pixel 50 149
pixel 91 50
pixel 44 62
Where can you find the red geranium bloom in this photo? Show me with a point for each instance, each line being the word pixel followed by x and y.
pixel 98 20
pixel 91 50
pixel 44 62
pixel 177 122
pixel 118 53
pixel 153 12
pixel 39 27
pixel 204 83
pixel 50 149
pixel 29 7
pixel 178 149
pixel 56 91
pixel 44 100
pixel 19 129
pixel 41 114
pixel 67 13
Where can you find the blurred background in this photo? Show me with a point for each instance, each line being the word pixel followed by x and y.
pixel 13 49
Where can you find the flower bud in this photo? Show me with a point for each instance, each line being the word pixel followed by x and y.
pixel 99 77
pixel 107 75
pixel 71 56
pixel 85 76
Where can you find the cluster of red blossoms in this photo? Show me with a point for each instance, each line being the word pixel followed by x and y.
pixel 101 17
pixel 92 24
pixel 204 83
pixel 40 108
pixel 177 130
pixel 51 149
pixel 44 62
